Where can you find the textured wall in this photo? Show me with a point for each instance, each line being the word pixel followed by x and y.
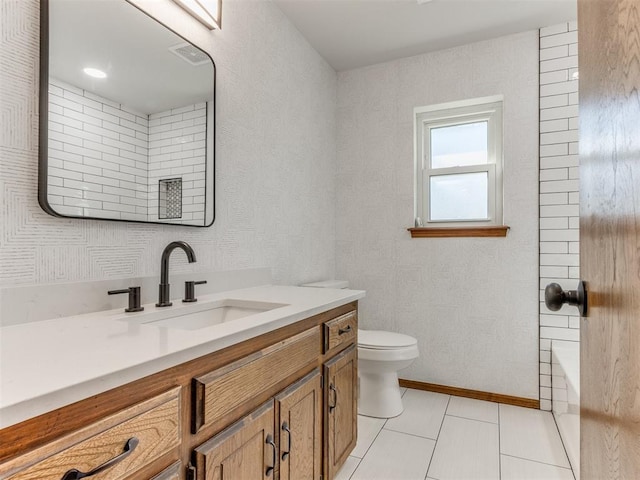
pixel 275 159
pixel 471 303
pixel 559 185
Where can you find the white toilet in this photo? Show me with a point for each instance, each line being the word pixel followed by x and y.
pixel 380 356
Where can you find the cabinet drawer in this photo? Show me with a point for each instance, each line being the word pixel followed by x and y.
pixel 146 430
pixel 221 391
pixel 340 331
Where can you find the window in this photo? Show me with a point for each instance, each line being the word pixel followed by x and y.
pixel 459 163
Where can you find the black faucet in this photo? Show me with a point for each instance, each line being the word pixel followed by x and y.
pixel 164 299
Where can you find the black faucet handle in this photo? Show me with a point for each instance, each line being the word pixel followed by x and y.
pixel 190 290
pixel 134 298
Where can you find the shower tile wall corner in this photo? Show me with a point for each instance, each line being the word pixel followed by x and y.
pixel 559 188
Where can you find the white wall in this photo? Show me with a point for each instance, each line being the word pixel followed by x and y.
pixel 559 185
pixel 275 160
pixel 471 303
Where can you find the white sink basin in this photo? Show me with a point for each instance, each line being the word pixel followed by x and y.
pixel 217 312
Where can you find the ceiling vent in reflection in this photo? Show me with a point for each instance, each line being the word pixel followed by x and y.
pixel 193 55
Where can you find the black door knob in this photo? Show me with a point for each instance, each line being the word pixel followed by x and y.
pixel 555 297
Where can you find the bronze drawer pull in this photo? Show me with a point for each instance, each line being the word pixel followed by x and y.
pixel 285 428
pixel 344 330
pixel 129 447
pixel 270 441
pixel 335 398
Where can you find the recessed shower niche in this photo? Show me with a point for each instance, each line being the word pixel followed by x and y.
pixel 127 117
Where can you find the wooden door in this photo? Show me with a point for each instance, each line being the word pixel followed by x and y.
pixel 244 451
pixel 341 408
pixel 609 53
pixel 300 429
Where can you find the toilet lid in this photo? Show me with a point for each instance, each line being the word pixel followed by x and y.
pixel 384 340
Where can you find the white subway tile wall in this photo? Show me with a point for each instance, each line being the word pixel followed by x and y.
pixel 97 155
pixel 105 160
pixel 177 149
pixel 559 188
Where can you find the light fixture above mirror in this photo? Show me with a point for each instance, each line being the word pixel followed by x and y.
pixel 207 12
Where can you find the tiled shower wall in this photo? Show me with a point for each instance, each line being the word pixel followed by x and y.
pixel 105 159
pixel 177 149
pixel 559 183
pixel 97 155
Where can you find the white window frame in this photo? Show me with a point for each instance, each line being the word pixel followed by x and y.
pixel 487 109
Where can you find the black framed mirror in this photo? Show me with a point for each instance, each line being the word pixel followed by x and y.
pixel 127 117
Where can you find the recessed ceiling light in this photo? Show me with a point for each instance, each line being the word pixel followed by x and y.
pixel 420 2
pixel 94 72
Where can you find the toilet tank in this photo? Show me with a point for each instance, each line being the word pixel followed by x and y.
pixel 328 284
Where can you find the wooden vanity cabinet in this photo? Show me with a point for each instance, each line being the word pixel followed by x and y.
pixel 299 429
pixel 246 450
pixel 279 406
pixel 341 408
pixel 220 392
pixel 280 439
pixel 173 472
pixel 115 448
pixel 340 331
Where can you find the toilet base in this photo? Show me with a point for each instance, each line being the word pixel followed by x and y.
pixel 379 395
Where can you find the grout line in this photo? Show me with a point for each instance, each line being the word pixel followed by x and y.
pixel 538 461
pixel 373 441
pixel 410 434
pixel 438 436
pixel 500 442
pixel 566 454
pixel 475 419
pixel 354 470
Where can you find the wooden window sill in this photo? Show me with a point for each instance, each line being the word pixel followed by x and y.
pixel 440 232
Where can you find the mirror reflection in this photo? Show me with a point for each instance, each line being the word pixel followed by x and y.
pixel 130 118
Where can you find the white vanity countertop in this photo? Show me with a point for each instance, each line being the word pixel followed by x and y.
pixel 52 363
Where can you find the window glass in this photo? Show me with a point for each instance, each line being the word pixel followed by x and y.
pixel 459 197
pixel 459 145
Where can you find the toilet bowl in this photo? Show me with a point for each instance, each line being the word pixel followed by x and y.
pixel 380 355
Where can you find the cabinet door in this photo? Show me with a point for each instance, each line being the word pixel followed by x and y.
pixel 341 409
pixel 300 429
pixel 244 451
pixel 170 473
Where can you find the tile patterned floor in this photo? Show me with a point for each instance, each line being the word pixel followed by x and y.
pixel 441 437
